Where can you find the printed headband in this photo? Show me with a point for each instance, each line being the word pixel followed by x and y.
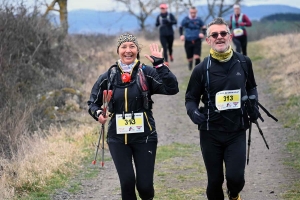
pixel 127 38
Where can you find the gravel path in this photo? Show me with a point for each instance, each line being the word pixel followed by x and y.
pixel 266 176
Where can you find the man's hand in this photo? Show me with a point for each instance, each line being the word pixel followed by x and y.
pixel 253 114
pixel 182 37
pixel 252 108
pixel 201 35
pixel 197 117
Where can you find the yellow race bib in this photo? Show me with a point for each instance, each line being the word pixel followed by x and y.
pixel 228 99
pixel 238 32
pixel 130 124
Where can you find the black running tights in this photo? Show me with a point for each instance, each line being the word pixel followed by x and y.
pixel 228 148
pixel 140 156
pixel 167 45
pixel 240 44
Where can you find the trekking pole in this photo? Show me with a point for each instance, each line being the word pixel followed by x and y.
pixel 97 147
pixel 107 94
pixel 249 142
pixel 267 112
pixel 102 157
pixel 261 133
pixel 253 101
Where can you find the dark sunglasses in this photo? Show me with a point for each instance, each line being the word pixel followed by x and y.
pixel 222 33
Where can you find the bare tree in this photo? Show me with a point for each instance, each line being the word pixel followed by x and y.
pixel 140 9
pixel 63 14
pixel 216 8
pixel 219 8
pixel 180 6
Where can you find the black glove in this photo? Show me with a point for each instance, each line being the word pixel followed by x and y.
pixel 253 114
pixel 197 117
pixel 157 61
pixel 252 108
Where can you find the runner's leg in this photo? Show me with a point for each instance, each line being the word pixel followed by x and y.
pixel 170 46
pixel 213 155
pixel 189 49
pixel 144 159
pixel 237 44
pixel 235 162
pixel 122 157
pixel 197 51
pixel 244 44
pixel 163 41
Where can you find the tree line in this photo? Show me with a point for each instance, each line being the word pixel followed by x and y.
pixel 282 17
pixel 142 9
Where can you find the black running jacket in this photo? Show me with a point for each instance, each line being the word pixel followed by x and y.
pixel 128 98
pixel 222 76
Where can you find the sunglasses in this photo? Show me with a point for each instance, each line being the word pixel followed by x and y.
pixel 222 33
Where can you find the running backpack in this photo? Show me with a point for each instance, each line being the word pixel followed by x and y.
pixel 205 77
pixel 242 60
pixel 140 81
pixel 161 18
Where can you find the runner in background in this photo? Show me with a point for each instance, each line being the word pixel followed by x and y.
pixel 190 32
pixel 238 23
pixel 165 22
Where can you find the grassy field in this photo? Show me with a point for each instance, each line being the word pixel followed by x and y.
pixel 276 59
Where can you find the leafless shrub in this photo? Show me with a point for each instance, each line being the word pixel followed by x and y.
pixel 150 34
pixel 30 64
pixel 38 92
pixel 86 52
pixel 33 64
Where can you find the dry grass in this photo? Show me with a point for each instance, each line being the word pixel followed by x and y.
pixel 282 52
pixel 278 61
pixel 40 159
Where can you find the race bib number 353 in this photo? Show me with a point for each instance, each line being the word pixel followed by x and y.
pixel 130 124
pixel 228 99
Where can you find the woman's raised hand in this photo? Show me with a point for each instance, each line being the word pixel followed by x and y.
pixel 155 51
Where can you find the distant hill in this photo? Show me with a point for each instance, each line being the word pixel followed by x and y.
pixel 112 22
pixel 282 17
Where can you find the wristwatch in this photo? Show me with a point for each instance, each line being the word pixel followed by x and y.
pixel 98 113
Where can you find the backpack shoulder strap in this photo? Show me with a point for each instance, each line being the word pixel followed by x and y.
pixel 241 17
pixel 243 62
pixel 144 88
pixel 169 16
pixel 205 76
pixel 204 72
pixel 111 73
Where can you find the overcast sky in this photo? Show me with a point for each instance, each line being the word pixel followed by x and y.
pixel 111 5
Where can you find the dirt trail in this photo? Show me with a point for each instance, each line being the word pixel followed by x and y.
pixel 266 176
